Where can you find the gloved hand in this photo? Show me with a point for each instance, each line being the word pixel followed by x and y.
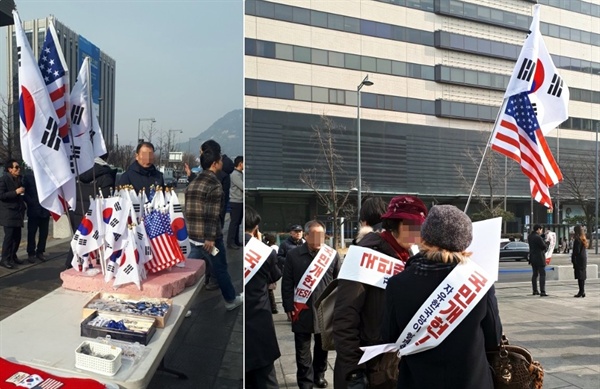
pixel 358 380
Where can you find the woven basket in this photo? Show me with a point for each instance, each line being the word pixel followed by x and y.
pixel 96 364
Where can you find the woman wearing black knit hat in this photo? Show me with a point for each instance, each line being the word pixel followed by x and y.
pixel 460 360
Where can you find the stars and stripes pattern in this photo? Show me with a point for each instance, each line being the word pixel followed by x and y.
pixel 165 249
pixel 519 137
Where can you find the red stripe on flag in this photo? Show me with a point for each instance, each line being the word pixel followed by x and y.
pixel 57 93
pixel 549 156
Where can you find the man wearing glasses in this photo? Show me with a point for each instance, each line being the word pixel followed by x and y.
pixel 12 212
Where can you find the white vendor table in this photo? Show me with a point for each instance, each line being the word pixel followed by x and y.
pixel 46 333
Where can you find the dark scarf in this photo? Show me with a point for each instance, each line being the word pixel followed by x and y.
pixel 400 251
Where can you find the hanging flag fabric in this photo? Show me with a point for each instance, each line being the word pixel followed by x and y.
pixel 165 250
pixel 519 137
pixel 41 145
pixel 128 266
pixel 90 233
pixel 81 120
pixel 114 216
pixel 178 224
pixel 523 75
pixel 549 94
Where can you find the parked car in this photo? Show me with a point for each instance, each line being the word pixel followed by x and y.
pixel 182 181
pixel 515 250
pixel 171 182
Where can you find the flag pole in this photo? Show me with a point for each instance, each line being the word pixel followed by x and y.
pixel 502 107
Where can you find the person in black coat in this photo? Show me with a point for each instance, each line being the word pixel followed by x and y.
pixel 12 212
pixel 99 179
pixel 294 240
pixel 38 218
pixel 310 370
pixel 537 260
pixel 459 361
pixel 142 173
pixel 262 348
pixel 579 259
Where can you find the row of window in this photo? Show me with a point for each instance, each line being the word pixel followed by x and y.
pixel 440 108
pixel 582 7
pixel 507 19
pixel 470 44
pixel 387 31
pixel 336 59
pixel 498 82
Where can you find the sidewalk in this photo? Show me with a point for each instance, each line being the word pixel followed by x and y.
pixel 561 332
pixel 208 347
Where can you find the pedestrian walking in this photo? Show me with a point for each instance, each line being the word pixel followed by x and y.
pixel 236 203
pixel 579 259
pixel 537 260
pixel 38 220
pixel 299 292
pixel 270 240
pixel 203 202
pixel 12 212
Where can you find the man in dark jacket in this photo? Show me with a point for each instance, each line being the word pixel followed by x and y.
pixel 537 260
pixel 100 178
pixel 38 218
pixel 294 240
pixel 310 370
pixel 12 212
pixel 142 173
pixel 261 340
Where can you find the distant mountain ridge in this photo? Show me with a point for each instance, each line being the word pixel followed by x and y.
pixel 228 131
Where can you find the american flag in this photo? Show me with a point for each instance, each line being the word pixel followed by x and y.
pixel 165 249
pixel 56 76
pixel 519 137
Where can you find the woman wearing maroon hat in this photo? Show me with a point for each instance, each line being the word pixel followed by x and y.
pixel 359 307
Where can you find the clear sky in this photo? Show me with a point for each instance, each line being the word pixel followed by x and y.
pixel 178 61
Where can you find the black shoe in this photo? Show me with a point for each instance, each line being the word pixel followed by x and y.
pixel 536 293
pixel 274 311
pixel 6 264
pixel 31 258
pixel 18 261
pixel 41 257
pixel 580 295
pixel 320 381
pixel 543 294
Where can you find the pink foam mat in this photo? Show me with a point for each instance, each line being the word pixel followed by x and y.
pixel 164 284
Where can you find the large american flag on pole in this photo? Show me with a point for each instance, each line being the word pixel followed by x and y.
pixel 165 249
pixel 55 73
pixel 536 101
pixel 519 136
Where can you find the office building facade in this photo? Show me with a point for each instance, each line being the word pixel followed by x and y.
pixel 439 70
pixel 75 48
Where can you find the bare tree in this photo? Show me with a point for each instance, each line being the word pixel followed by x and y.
pixel 121 156
pixel 490 182
pixel 9 138
pixel 323 178
pixel 579 172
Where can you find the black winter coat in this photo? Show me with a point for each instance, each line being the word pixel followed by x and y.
pixel 12 205
pixel 262 348
pixel 105 177
pixel 298 260
pixel 459 362
pixel 140 177
pixel 34 208
pixel 537 250
pixel 357 319
pixel 286 246
pixel 579 260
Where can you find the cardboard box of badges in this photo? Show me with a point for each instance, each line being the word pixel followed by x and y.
pixel 160 320
pixel 146 327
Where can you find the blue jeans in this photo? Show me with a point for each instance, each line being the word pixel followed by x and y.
pixel 218 265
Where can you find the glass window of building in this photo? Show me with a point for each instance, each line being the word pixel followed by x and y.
pixel 471 43
pixel 284 12
pixel 351 98
pixel 250 87
pixel 320 57
pixel 318 19
pixel 301 54
pixel 265 49
pixel 470 10
pixel 369 64
pixel 301 15
pixel 320 95
pixel 335 22
pixel 413 105
pixel 368 27
pixel 266 10
pixel 471 77
pixel 384 30
pixel 284 91
pixel 384 66
pixel 352 61
pixel 484 13
pixel 471 111
pixel 399 68
pixel 427 72
pixel 351 25
pixel 336 59
pixel 285 52
pixel 368 100
pixel 457 75
pixel 399 104
pixel 302 92
pixel 427 107
pixel 266 88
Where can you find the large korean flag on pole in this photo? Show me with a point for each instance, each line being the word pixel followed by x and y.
pixel 41 145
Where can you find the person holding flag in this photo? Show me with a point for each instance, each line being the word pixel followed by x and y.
pixel 307 272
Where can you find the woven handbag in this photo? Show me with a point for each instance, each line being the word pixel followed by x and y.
pixel 514 368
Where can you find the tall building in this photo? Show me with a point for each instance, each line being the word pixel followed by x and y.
pixel 439 69
pixel 75 48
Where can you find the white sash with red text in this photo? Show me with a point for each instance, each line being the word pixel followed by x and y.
pixel 311 278
pixel 255 254
pixel 441 312
pixel 370 267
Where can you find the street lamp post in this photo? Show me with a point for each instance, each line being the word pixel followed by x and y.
pixel 169 144
pixel 365 82
pixel 140 120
